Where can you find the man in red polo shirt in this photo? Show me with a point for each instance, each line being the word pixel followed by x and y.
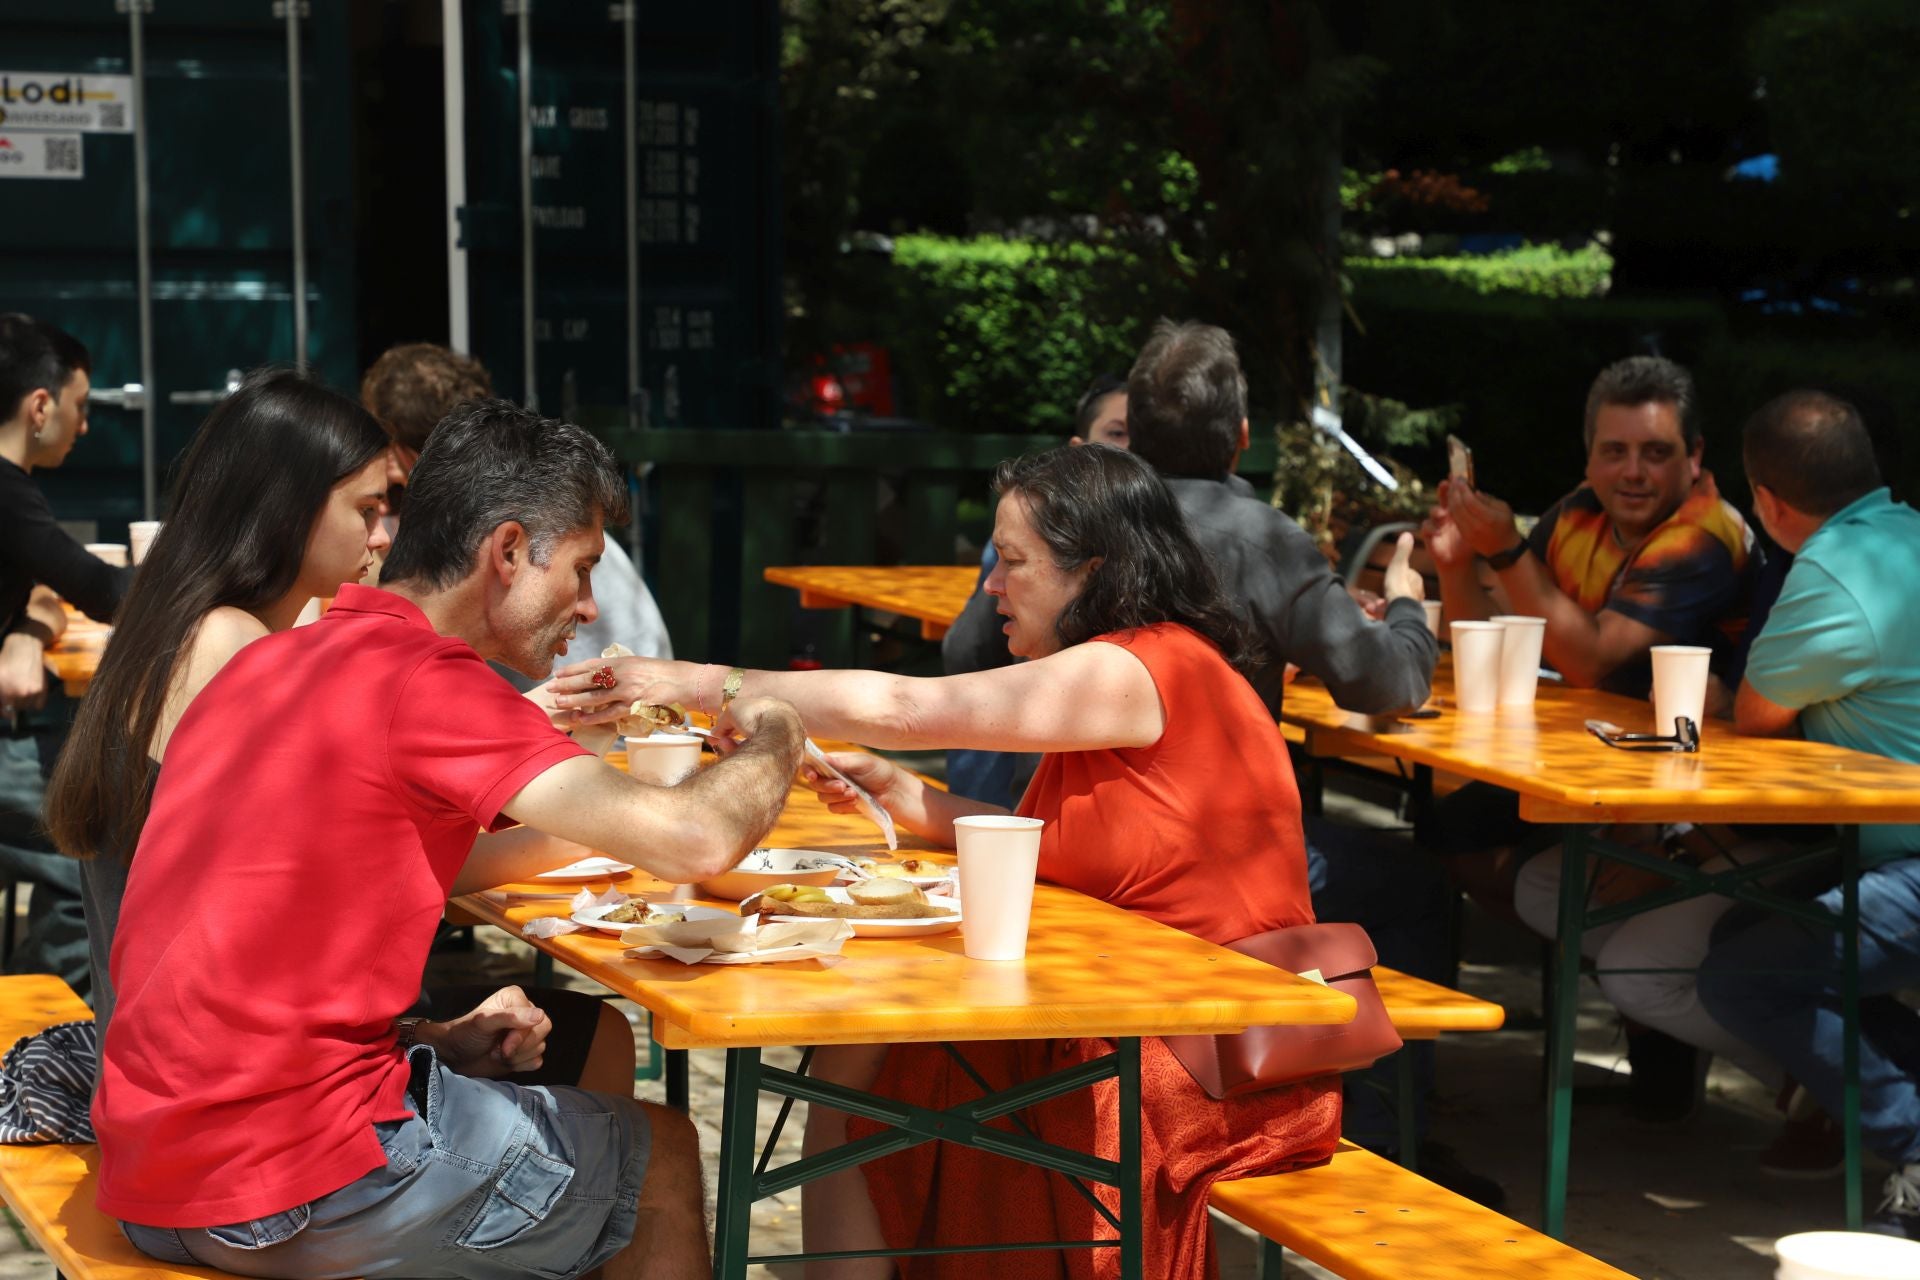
pixel 260 1109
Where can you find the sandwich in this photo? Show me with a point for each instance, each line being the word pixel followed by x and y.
pixel 870 900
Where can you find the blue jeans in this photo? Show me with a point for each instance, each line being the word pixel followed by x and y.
pixel 1399 896
pixel 56 935
pixel 1795 1017
pixel 486 1181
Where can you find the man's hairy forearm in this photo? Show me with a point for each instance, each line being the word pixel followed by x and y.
pixel 746 791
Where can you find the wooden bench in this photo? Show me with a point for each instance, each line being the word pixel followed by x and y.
pixel 50 1188
pixel 1366 1218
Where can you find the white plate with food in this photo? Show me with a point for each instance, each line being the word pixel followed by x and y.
pixel 763 868
pixel 921 873
pixel 618 917
pixel 875 908
pixel 594 868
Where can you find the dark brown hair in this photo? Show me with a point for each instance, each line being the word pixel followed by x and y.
pixel 245 496
pixel 1186 399
pixel 1099 501
pixel 1812 450
pixel 414 385
pixel 1639 380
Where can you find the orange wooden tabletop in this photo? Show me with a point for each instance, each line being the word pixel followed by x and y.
pixel 1091 969
pixel 1564 774
pixel 933 593
pixel 75 656
pixel 1421 1010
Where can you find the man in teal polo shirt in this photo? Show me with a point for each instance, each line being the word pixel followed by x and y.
pixel 1839 662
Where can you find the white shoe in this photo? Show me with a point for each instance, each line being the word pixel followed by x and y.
pixel 1899 1213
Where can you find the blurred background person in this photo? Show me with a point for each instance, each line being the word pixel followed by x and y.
pixel 409 389
pixel 45 381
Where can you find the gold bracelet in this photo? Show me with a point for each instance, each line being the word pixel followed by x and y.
pixel 731 688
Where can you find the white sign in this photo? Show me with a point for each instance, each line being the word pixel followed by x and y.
pixel 41 155
pixel 66 101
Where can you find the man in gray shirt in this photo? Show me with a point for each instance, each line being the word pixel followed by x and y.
pixel 1187 415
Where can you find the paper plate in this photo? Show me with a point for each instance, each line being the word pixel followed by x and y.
pixel 590 917
pixel 594 868
pixel 896 928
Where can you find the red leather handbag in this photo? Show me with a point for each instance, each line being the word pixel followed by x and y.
pixel 1264 1057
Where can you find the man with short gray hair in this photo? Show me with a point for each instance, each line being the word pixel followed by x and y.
pixel 320 804
pixel 1187 415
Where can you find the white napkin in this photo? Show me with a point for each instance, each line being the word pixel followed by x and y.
pixel 738 940
pixel 554 926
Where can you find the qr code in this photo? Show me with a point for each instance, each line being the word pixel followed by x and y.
pixel 63 155
pixel 113 115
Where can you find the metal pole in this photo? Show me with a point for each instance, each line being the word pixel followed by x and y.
pixel 296 135
pixel 453 71
pixel 143 262
pixel 1562 1025
pixel 630 14
pixel 528 367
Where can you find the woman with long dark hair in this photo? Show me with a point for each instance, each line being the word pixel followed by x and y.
pixel 276 500
pixel 1165 788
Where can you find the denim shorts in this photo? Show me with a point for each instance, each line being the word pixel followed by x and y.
pixel 485 1180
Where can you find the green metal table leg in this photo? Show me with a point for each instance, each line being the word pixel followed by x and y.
pixel 1560 1030
pixel 1132 1220
pixel 1850 1013
pixel 1403 1105
pixel 733 1212
pixel 542 969
pixel 1273 1261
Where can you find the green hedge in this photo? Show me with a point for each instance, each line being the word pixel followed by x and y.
pixel 996 335
pixel 990 334
pixel 1536 270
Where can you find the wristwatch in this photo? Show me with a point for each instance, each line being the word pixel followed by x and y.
pixel 730 688
pixel 1508 558
pixel 406 1032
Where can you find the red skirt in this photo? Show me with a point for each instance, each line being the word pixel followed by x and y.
pixel 941 1194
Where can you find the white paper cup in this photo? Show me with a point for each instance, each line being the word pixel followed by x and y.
pixel 999 857
pixel 1679 685
pixel 1520 641
pixel 1846 1255
pixel 664 759
pixel 1476 665
pixel 114 553
pixel 1434 608
pixel 140 537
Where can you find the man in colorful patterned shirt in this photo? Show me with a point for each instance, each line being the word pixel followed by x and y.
pixel 1645 552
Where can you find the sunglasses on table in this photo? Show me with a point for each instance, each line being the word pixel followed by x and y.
pixel 1685 737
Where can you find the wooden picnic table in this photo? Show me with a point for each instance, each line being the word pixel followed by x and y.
pixel 1563 775
pixel 932 593
pixel 1091 969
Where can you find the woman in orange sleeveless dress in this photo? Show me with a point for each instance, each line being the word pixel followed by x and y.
pixel 1166 789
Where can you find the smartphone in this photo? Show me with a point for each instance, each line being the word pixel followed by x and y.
pixel 1459 461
